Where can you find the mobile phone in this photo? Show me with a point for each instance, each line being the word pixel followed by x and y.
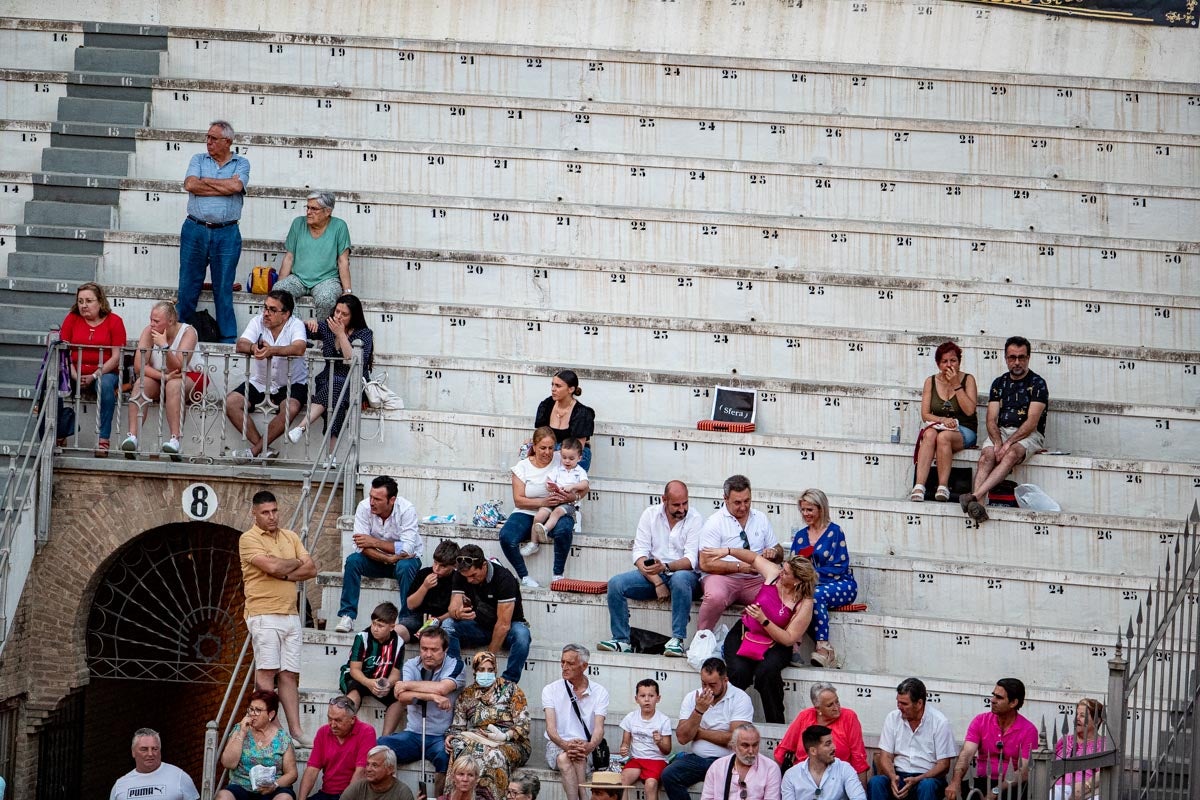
pixel 650 562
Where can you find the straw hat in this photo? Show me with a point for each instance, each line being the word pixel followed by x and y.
pixel 605 780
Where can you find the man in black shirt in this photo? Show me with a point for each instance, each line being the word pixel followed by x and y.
pixel 485 608
pixel 430 597
pixel 1016 424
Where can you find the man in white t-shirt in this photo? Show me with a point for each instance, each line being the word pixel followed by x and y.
pixel 707 718
pixel 727 580
pixel 276 341
pixel 150 776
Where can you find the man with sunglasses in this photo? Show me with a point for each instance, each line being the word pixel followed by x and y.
pixel 726 580
pixel 210 239
pixel 744 775
pixel 1000 741
pixel 821 776
pixel 485 609
pixel 340 750
pixel 1016 425
pixel 276 342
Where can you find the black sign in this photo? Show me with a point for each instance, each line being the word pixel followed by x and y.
pixel 1175 13
pixel 734 405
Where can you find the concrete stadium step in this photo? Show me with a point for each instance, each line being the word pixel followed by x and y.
pixel 713 185
pixel 44 212
pixel 637 129
pixel 858 251
pixel 87 109
pixel 75 269
pixel 87 162
pixel 35 304
pixel 678 80
pixel 792 352
pixel 679 399
pixel 1089 543
pixel 89 136
pixel 640 452
pixel 108 85
pixel 871 696
pixel 117 60
pixel 31 95
pixel 49 48
pixel 59 240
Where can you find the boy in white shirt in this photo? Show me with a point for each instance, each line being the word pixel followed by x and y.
pixel 565 476
pixel 646 741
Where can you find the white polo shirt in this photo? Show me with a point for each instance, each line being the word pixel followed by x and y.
pixel 735 704
pixel 723 530
pixel 917 751
pixel 593 702
pixel 655 537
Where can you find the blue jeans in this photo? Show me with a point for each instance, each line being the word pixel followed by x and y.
pixel 106 396
pixel 682 773
pixel 202 249
pixel 632 586
pixel 359 566
pixel 517 642
pixel 408 748
pixel 519 527
pixel 928 789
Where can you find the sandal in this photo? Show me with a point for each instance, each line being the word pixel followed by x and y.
pixel 102 448
pixel 917 495
pixel 942 495
pixel 824 657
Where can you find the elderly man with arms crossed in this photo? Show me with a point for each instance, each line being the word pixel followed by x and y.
pixel 151 777
pixel 666 554
pixel 340 750
pixel 745 773
pixel 916 748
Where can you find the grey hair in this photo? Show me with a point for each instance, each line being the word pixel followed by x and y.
pixel 325 199
pixel 389 755
pixel 736 734
pixel 167 307
pixel 528 781
pixel 818 688
pixel 584 654
pixel 226 128
pixel 140 732
pixel 735 483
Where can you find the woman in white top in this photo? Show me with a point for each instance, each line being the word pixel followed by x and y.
pixel 166 355
pixel 529 494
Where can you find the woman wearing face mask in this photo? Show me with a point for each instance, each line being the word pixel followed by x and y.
pixel 491 723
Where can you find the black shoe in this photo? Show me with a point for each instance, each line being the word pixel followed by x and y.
pixel 965 500
pixel 976 511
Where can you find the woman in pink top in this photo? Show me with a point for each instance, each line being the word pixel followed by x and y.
pixel 826 710
pixel 760 644
pixel 1089 716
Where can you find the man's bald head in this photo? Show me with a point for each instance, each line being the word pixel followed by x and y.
pixel 675 501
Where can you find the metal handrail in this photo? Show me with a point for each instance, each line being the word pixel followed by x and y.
pixel 334 475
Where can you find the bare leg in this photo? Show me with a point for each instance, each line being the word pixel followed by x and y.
pixel 924 459
pixel 541 515
pixel 651 789
pixel 173 405
pixel 1014 456
pixel 289 698
pixel 948 442
pixel 235 412
pixel 391 719
pixel 572 775
pixel 983 469
pixel 288 410
pixel 555 516
pixel 137 411
pixel 314 413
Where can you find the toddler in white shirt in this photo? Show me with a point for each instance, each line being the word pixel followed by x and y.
pixel 566 476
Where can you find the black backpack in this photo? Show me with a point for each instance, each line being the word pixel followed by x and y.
pixel 206 326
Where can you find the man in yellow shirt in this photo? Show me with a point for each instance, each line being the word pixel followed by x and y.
pixel 273 561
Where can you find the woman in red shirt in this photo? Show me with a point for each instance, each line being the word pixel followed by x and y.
pixel 96 361
pixel 826 710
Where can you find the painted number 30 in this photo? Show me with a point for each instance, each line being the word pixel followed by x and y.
pixel 199 501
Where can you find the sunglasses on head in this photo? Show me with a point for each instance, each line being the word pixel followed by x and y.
pixel 465 562
pixel 343 702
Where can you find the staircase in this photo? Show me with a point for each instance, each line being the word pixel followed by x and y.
pixel 75 199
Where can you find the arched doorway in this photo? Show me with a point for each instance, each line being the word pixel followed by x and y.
pixel 163 635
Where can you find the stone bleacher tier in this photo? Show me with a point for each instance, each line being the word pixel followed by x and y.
pixel 664 223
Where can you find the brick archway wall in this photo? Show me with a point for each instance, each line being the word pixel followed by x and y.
pixel 94 516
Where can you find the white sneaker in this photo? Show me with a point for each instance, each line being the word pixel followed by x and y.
pixel 242 456
pixel 129 446
pixel 330 462
pixel 530 583
pixel 171 446
pixel 528 548
pixel 345 624
pixel 556 578
pixel 538 533
pixel 295 435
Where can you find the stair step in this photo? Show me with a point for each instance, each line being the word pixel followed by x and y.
pixel 125 36
pixel 57 239
pixel 84 109
pixel 89 136
pixel 81 86
pixel 48 212
pixel 85 162
pixel 73 268
pixel 117 60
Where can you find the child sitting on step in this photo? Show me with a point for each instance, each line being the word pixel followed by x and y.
pixel 566 476
pixel 374 665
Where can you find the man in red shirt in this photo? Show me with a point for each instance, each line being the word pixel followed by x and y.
pixel 340 750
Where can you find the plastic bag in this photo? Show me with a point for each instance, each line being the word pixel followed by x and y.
pixel 704 646
pixel 488 515
pixel 1031 496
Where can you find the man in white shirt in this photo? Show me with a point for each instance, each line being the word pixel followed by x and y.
pixel 707 718
pixel 745 774
pixel 150 776
pixel 821 775
pixel 666 554
pixel 387 543
pixel 575 710
pixel 916 747
pixel 726 580
pixel 276 341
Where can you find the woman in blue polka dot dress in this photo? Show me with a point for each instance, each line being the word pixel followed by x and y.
pixel 823 542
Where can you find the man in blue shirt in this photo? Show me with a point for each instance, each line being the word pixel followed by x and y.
pixel 210 239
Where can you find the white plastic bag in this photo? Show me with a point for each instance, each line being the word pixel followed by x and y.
pixel 1031 496
pixel 380 396
pixel 704 646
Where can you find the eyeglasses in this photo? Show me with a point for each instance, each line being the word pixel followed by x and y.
pixel 466 562
pixel 342 702
pixel 254 711
pixel 513 791
pixel 272 309
pixel 1016 358
pixel 314 208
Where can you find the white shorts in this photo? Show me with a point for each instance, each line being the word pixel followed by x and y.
pixel 276 639
pixel 1031 444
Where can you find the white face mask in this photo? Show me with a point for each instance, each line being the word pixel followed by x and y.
pixel 485 679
